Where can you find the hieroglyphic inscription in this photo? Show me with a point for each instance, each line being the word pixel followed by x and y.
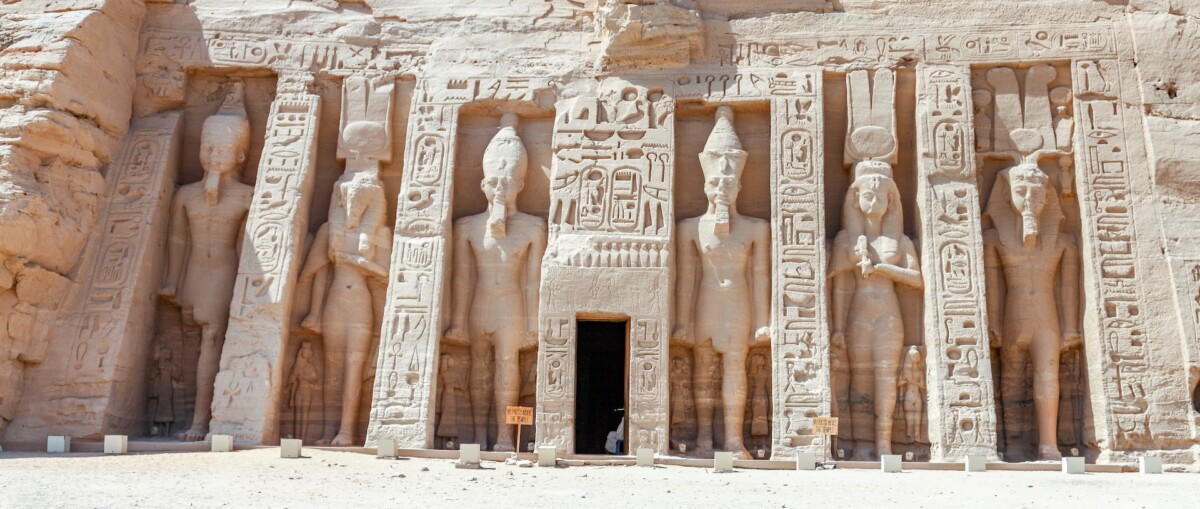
pixel 610 231
pixel 246 403
pixel 408 352
pixel 227 48
pixel 963 413
pixel 1103 180
pixel 103 314
pixel 800 340
pixel 959 45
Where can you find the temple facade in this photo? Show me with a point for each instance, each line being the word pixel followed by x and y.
pixel 687 225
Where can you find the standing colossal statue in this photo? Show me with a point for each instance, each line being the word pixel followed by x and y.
pixel 724 292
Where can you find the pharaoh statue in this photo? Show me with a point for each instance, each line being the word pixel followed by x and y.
pixel 348 264
pixel 497 274
pixel 871 255
pixel 1032 292
pixel 207 223
pixel 303 390
pixel 724 294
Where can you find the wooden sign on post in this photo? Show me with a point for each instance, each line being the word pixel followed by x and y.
pixel 826 427
pixel 521 416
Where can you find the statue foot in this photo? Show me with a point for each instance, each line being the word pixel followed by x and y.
pixel 861 453
pixel 1049 453
pixel 323 441
pixel 741 454
pixel 504 447
pixel 343 439
pixel 702 449
pixel 196 434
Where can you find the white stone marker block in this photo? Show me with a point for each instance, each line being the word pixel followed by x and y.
pixel 1150 465
pixel 645 457
pixel 1072 465
pixel 891 463
pixel 116 444
pixel 545 455
pixel 468 455
pixel 723 462
pixel 222 443
pixel 976 463
pixel 385 448
pixel 58 444
pixel 290 448
pixel 806 461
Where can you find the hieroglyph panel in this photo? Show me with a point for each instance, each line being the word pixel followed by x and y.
pixel 800 336
pixel 962 409
pixel 249 384
pixel 1117 348
pixel 610 225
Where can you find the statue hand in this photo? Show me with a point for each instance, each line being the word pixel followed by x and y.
pixel 868 268
pixel 682 334
pixel 167 292
pixel 530 340
pixel 456 335
pixel 837 341
pixel 762 336
pixel 1071 340
pixel 311 323
pixel 994 337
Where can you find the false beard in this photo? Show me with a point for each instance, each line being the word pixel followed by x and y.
pixel 212 188
pixel 721 223
pixel 497 217
pixel 1029 229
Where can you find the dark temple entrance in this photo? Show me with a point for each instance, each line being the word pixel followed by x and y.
pixel 601 368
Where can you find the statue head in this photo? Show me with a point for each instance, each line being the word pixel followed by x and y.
pixel 306 351
pixel 722 162
pixel 504 166
pixel 224 140
pixel 1024 206
pixel 913 357
pixel 874 197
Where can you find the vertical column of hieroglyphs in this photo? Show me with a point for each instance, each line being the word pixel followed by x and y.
pixel 111 308
pixel 245 399
pixel 609 250
pixel 408 351
pixel 961 407
pixel 1118 355
pixel 800 340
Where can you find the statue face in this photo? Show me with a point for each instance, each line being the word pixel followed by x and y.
pixel 501 186
pixel 219 156
pixel 722 168
pixel 873 198
pixel 1028 195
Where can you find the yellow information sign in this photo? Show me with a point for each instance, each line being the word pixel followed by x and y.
pixel 823 425
pixel 522 415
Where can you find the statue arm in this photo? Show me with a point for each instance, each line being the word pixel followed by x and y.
pixel 910 273
pixel 461 284
pixel 762 283
pixel 995 288
pixel 685 302
pixel 533 280
pixel 843 285
pixel 177 245
pixel 1069 286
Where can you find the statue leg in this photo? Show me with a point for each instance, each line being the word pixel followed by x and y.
pixel 733 395
pixel 212 336
pixel 862 384
pixel 1044 352
pixel 507 387
pixel 359 335
pixel 702 386
pixel 887 369
pixel 335 339
pixel 1012 389
pixel 481 379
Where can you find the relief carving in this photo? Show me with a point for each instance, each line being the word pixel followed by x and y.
pixel 207 221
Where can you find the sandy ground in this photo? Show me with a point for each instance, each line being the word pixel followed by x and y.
pixel 260 478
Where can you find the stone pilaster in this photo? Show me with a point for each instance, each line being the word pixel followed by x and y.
pixel 800 334
pixel 403 400
pixel 1137 379
pixel 93 383
pixel 959 383
pixel 249 384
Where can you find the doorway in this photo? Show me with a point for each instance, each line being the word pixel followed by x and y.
pixel 601 367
